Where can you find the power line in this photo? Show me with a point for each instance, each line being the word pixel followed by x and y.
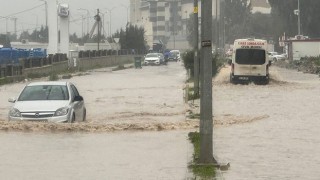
pixel 2 17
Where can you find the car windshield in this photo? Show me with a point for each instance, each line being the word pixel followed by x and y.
pixel 250 56
pixel 273 53
pixel 152 55
pixel 175 52
pixel 44 92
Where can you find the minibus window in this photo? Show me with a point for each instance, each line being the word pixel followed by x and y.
pixel 250 56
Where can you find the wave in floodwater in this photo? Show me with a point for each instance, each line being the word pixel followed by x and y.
pixel 223 78
pixel 219 121
pixel 94 127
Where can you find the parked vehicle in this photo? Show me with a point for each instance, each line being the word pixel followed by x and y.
pixel 174 55
pixel 152 59
pixel 162 59
pixel 250 61
pixel 274 56
pixel 50 101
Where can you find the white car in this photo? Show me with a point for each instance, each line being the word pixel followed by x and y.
pixel 52 101
pixel 274 56
pixel 152 59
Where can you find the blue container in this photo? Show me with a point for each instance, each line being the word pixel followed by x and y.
pixel 9 56
pixel 38 52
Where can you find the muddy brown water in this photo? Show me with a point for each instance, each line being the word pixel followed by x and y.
pixel 265 132
pixel 285 144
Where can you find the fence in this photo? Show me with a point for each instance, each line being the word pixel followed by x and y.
pixel 38 66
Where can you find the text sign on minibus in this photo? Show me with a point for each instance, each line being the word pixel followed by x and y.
pixel 249 45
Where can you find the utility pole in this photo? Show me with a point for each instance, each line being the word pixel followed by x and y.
pixel 15 25
pixel 98 21
pixel 206 122
pixel 217 28
pixel 222 26
pixel 46 9
pixel 196 48
pixel 299 28
pixel 88 14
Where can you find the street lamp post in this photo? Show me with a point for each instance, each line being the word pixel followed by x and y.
pixel 127 7
pixel 110 24
pixel 46 9
pixel 299 29
pixel 88 14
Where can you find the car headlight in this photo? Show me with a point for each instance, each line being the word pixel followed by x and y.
pixel 14 113
pixel 62 111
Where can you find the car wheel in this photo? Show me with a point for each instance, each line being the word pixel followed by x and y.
pixel 232 81
pixel 73 119
pixel 84 118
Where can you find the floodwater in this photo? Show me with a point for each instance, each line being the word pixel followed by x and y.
pixel 265 132
pixel 283 145
pixel 77 156
pixel 150 98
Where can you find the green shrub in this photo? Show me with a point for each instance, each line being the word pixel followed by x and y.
pixel 188 59
pixel 202 171
pixel 53 77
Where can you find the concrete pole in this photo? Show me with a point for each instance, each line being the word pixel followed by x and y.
pixel 196 48
pixel 64 35
pixel 206 122
pixel 53 27
pixel 98 20
pixel 299 27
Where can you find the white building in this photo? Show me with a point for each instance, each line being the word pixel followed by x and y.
pixel 166 20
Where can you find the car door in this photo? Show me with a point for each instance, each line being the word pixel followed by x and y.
pixel 78 106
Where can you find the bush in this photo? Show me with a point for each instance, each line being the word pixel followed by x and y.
pixel 188 59
pixel 53 77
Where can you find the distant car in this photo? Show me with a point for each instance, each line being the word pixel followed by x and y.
pixel 152 59
pixel 274 56
pixel 162 59
pixel 52 101
pixel 174 55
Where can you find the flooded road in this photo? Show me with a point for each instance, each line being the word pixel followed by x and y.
pixel 265 132
pixel 148 99
pixel 147 96
pixel 144 155
pixel 283 145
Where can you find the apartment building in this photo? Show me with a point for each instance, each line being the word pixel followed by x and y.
pixel 166 20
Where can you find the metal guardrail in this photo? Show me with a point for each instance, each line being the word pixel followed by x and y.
pixel 102 53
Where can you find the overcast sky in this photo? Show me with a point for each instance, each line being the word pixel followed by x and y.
pixel 31 14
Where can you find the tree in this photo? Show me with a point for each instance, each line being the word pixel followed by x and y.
pixel 5 41
pixel 131 38
pixel 286 21
pixel 236 19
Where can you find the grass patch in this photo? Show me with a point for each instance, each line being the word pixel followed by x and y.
pixel 119 67
pixel 191 94
pixel 4 81
pixel 194 116
pixel 66 76
pixel 202 171
pixel 53 77
pixel 35 75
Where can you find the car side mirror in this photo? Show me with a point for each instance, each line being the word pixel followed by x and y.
pixel 12 100
pixel 78 98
